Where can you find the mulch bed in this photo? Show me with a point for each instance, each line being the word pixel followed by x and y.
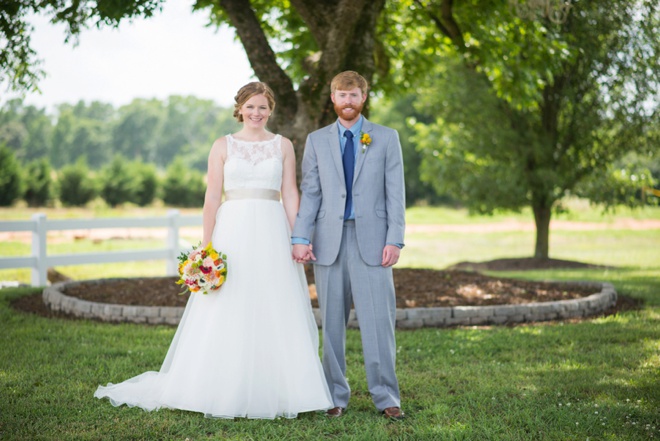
pixel 414 287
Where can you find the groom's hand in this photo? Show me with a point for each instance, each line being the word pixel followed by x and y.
pixel 390 255
pixel 302 253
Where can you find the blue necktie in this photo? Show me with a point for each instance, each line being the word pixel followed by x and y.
pixel 348 159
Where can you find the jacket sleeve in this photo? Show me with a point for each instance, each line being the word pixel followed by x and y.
pixel 310 200
pixel 395 192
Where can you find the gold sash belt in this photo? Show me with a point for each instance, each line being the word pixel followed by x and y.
pixel 252 193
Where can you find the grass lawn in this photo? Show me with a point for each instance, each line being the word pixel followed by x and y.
pixel 598 379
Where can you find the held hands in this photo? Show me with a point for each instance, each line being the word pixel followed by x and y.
pixel 390 255
pixel 302 253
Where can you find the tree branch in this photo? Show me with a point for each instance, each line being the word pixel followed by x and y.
pixel 262 57
pixel 315 15
pixel 446 22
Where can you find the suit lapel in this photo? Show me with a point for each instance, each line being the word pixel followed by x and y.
pixel 332 136
pixel 367 127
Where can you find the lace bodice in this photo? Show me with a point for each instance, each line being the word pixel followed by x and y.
pixel 252 164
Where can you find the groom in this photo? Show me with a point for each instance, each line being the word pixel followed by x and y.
pixel 352 211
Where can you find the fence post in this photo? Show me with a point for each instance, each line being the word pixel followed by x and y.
pixel 172 267
pixel 39 233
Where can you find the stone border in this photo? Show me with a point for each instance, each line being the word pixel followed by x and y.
pixel 406 318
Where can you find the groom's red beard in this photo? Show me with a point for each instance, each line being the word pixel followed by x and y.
pixel 348 115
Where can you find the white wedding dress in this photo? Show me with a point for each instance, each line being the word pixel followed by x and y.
pixel 251 348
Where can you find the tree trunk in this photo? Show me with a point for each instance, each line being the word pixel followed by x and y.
pixel 542 214
pixel 345 33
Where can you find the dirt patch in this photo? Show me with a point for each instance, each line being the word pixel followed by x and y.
pixel 524 264
pixel 415 288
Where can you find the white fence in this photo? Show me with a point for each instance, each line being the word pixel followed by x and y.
pixel 39 261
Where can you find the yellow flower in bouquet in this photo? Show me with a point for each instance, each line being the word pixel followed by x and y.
pixel 202 270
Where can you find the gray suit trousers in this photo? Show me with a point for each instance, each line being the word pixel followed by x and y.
pixel 371 288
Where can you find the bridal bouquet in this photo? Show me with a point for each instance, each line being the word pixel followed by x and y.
pixel 202 270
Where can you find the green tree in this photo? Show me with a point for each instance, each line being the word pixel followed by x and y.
pixel 183 187
pixel 314 40
pixel 95 111
pixel 76 185
pixel 13 134
pixel 528 112
pixel 118 184
pixel 38 183
pixel 38 126
pixel 191 126
pixel 10 177
pixel 62 139
pixel 221 122
pixel 401 114
pixel 82 130
pixel 137 133
pixel 26 130
pixel 157 131
pixel 91 140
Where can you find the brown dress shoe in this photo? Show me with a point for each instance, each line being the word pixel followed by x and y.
pixel 393 413
pixel 335 412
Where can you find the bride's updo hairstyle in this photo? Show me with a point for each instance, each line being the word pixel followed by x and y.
pixel 248 91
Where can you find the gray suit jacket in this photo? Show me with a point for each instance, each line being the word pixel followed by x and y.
pixel 378 194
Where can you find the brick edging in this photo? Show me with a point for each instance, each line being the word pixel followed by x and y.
pixel 406 318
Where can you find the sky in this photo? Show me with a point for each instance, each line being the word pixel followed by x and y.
pixel 171 53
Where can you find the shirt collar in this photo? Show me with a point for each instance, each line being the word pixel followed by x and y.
pixel 356 128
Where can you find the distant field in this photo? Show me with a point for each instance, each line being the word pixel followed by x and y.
pixel 577 210
pixel 436 237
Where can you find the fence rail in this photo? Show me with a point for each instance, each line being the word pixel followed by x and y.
pixel 39 261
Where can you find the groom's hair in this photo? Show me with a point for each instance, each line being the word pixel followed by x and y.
pixel 348 80
pixel 248 91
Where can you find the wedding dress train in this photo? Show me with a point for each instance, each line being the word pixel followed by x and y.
pixel 251 348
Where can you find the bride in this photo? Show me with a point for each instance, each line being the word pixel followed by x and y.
pixel 249 349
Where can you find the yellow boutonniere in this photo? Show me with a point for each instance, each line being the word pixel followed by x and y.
pixel 365 140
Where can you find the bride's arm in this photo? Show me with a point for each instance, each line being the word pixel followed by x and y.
pixel 290 195
pixel 214 179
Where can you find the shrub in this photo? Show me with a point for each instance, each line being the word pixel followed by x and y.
pixel 146 183
pixel 183 186
pixel 11 186
pixel 118 182
pixel 76 185
pixel 38 183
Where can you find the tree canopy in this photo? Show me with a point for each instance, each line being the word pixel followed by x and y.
pixel 19 63
pixel 295 46
pixel 528 112
pixel 510 112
